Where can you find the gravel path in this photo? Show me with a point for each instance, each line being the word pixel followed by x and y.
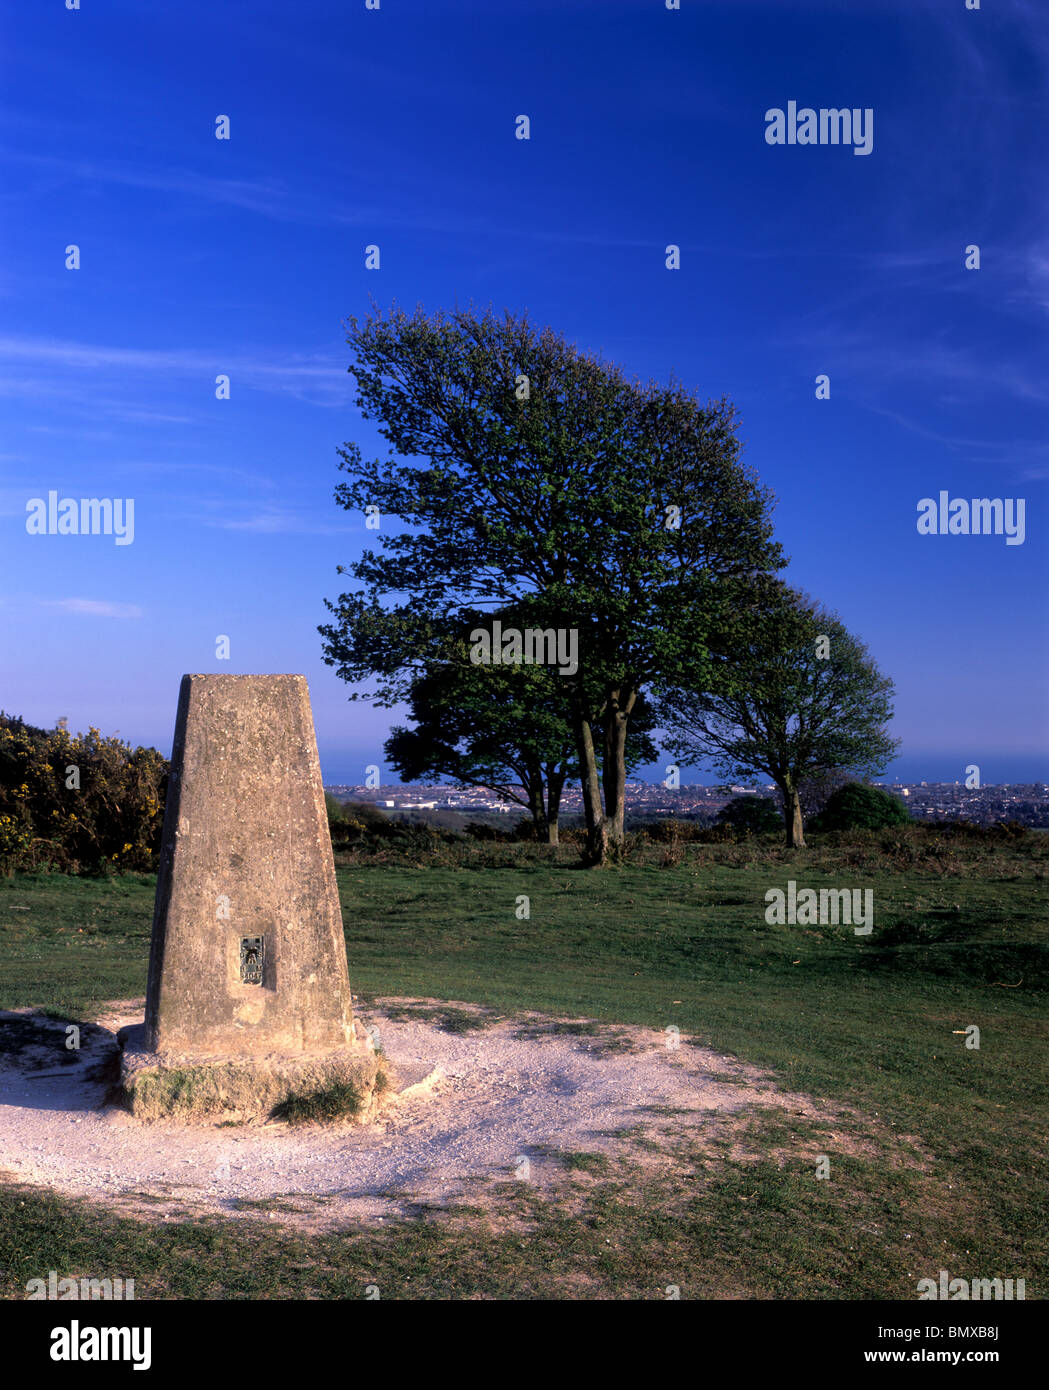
pixel 515 1089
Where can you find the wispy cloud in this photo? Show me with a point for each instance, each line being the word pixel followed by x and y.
pixel 94 607
pixel 312 378
pixel 283 202
pixel 1029 458
pixel 1037 274
pixel 275 522
pixel 879 360
pixel 181 467
pixel 268 197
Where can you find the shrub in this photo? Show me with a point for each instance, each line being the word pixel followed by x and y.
pixel 752 815
pixel 668 831
pixel 717 835
pixel 80 804
pixel 480 830
pixel 356 823
pixel 857 807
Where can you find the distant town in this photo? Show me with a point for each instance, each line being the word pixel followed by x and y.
pixel 1024 802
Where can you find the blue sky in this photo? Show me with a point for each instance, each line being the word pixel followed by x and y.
pixel 396 127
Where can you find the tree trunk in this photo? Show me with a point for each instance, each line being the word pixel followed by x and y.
pixel 596 830
pixel 792 817
pixel 617 715
pixel 555 782
pixel 536 804
pixel 613 773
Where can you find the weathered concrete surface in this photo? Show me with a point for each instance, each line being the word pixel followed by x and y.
pixel 245 855
pixel 197 1089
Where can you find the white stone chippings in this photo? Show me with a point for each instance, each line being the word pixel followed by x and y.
pixel 499 1093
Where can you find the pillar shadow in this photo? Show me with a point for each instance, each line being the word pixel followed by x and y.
pixel 45 1065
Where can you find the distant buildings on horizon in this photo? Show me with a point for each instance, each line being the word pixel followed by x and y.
pixel 1027 802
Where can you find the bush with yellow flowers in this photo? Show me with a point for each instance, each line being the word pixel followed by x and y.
pixel 79 804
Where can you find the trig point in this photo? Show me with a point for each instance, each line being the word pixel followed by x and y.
pixel 248 953
pixel 248 1001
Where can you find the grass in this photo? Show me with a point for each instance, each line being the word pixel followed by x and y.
pixel 576 1161
pixel 334 1102
pixel 942 1166
pixel 448 1020
pixel 82 942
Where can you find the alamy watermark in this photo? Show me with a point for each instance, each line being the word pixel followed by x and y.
pixel 983 516
pixel 534 646
pixel 54 1287
pixel 88 516
pixel 826 907
pixel 76 1343
pixel 830 125
pixel 971 1289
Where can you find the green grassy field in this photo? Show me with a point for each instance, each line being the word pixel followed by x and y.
pixel 946 1170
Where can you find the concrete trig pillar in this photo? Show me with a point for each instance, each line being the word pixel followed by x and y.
pixel 248 953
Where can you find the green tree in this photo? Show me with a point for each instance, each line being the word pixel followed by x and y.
pixel 488 727
pixel 552 485
pixel 798 697
pixel 856 807
pixel 503 727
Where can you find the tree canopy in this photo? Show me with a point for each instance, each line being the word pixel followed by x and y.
pixel 798 696
pixel 551 484
pixel 504 727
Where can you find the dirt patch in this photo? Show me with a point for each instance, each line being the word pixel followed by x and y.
pixel 514 1101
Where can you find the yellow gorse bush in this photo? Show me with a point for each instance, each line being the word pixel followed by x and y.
pixel 79 803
